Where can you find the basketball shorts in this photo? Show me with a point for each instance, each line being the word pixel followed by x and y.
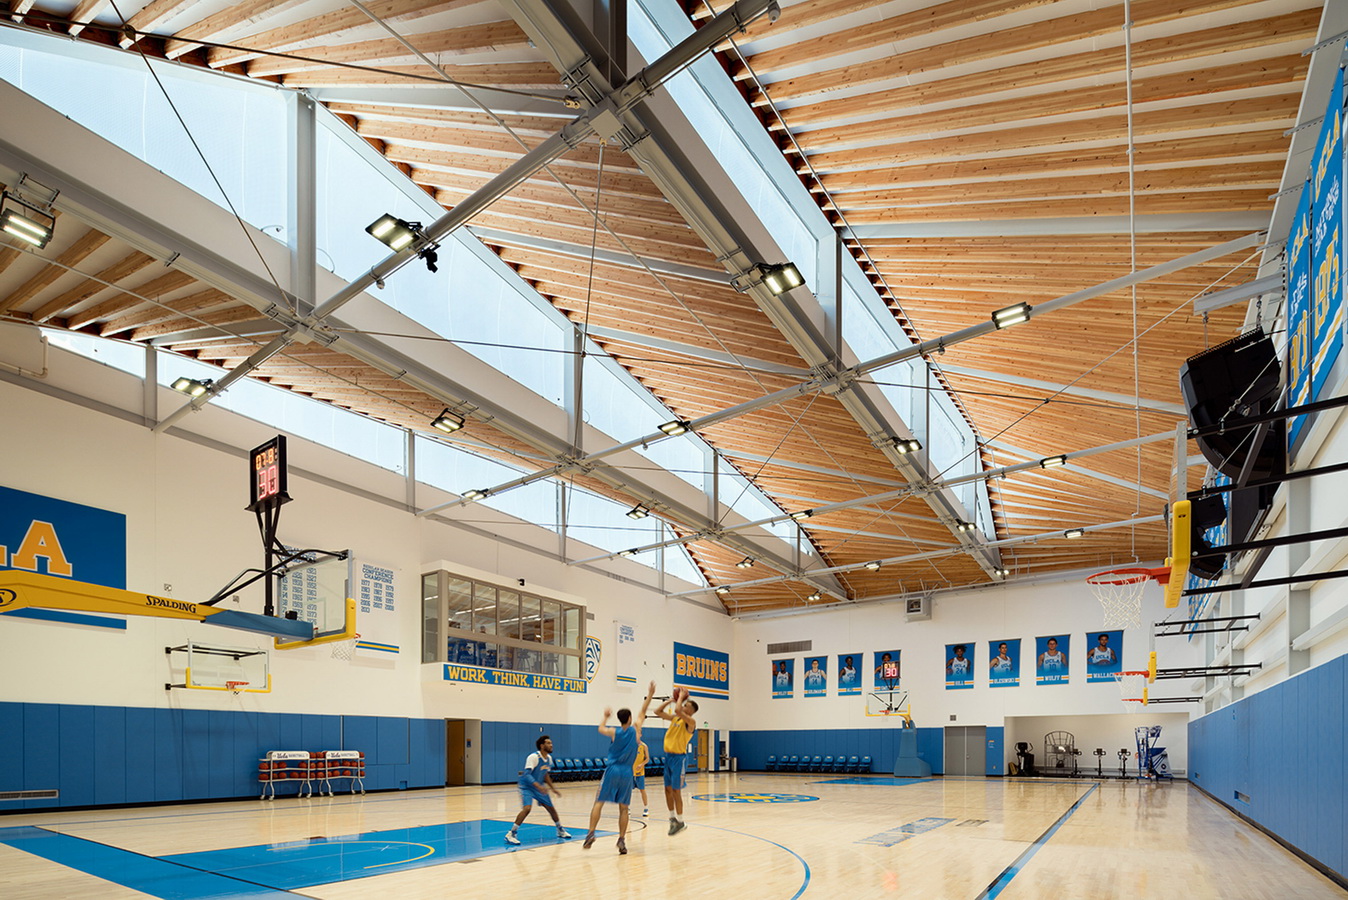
pixel 529 795
pixel 639 781
pixel 616 785
pixel 674 766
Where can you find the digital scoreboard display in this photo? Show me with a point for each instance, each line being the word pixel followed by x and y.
pixel 267 472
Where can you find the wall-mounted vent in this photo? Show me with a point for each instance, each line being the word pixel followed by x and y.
pixel 29 795
pixel 589 616
pixel 790 647
pixel 918 608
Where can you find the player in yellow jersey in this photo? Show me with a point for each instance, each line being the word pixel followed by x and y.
pixel 639 775
pixel 678 711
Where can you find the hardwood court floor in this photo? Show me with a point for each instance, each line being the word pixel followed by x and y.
pixel 953 838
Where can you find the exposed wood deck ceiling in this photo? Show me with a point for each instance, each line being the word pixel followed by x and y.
pixel 974 153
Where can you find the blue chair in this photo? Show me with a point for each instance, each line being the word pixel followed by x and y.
pixel 656 765
pixel 853 764
pixel 840 763
pixel 772 764
pixel 591 768
pixel 794 765
pixel 816 764
pixel 828 764
pixel 865 765
pixel 559 772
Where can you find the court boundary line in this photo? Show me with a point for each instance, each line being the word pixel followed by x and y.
pixel 1001 881
pixel 803 885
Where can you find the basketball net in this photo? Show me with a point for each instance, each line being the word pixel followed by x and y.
pixel 345 649
pixel 1133 687
pixel 1120 594
pixel 236 687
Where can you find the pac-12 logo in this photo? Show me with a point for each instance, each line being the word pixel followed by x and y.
pixel 593 649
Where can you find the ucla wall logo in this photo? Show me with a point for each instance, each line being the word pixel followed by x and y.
pixel 593 649
pixel 68 540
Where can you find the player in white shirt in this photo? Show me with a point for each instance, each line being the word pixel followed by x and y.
pixel 847 675
pixel 1052 658
pixel 814 677
pixel 535 782
pixel 782 680
pixel 1002 662
pixel 1102 654
pixel 957 667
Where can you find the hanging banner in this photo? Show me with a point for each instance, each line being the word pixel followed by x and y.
pixel 1327 244
pixel 783 673
pixel 478 675
pixel 959 668
pixel 1004 668
pixel 1299 314
pixel 816 676
pixel 886 669
pixel 376 611
pixel 625 657
pixel 1104 655
pixel 706 673
pixel 1051 659
pixel 849 677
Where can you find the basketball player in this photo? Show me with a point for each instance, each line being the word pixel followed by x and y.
pixel 616 785
pixel 814 678
pixel 847 675
pixel 535 782
pixel 1052 659
pixel 1001 662
pixel 887 671
pixel 782 681
pixel 1101 654
pixel 639 775
pixel 678 711
pixel 957 667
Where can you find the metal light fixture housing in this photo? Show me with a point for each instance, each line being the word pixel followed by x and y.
pixel 1011 315
pixel 448 422
pixel 802 514
pixel 779 278
pixel 394 232
pixel 815 596
pixel 675 428
pixel 25 221
pixel 476 494
pixel 192 387
pixel 640 511
pixel 905 446
pixel 1074 533
pixel 745 563
pixel 872 565
pixel 1053 462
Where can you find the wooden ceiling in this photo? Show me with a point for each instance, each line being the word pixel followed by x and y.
pixel 974 154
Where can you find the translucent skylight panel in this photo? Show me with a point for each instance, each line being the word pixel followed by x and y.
pixel 603 523
pixel 459 471
pixel 119 355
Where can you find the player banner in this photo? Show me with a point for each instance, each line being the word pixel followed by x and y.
pixel 783 675
pixel 849 675
pixel 959 668
pixel 1051 659
pixel 1004 667
pixel 706 673
pixel 478 675
pixel 1104 655
pixel 886 669
pixel 816 676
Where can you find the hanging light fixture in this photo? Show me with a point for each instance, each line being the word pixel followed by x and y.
pixel 25 221
pixel 640 511
pixel 1011 315
pixel 447 422
pixel 192 387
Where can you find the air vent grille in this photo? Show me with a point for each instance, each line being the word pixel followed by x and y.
pixel 790 647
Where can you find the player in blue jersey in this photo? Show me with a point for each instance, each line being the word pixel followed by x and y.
pixel 535 782
pixel 616 785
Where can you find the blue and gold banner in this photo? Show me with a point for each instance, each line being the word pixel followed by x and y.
pixel 959 667
pixel 1104 655
pixel 849 675
pixel 1004 666
pixel 479 675
pixel 815 678
pixel 1299 313
pixel 706 673
pixel 1327 243
pixel 1051 659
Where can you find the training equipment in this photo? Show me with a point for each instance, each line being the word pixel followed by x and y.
pixel 1152 761
pixel 1060 754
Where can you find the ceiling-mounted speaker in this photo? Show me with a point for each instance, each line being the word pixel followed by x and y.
pixel 1234 380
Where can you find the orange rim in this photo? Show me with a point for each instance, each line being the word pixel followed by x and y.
pixel 1131 575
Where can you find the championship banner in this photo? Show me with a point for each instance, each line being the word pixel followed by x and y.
pixel 625 656
pixel 1327 243
pixel 1004 667
pixel 479 675
pixel 959 667
pixel 816 676
pixel 376 611
pixel 1051 659
pixel 1104 655
pixel 849 675
pixel 783 675
pixel 66 540
pixel 706 673
pixel 1299 314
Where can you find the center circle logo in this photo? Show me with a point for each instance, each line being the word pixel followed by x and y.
pixel 755 798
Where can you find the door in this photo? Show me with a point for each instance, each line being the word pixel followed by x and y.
pixel 702 743
pixel 966 750
pixel 456 752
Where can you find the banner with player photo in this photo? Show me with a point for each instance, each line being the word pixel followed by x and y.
pixel 1050 654
pixel 816 676
pixel 1104 655
pixel 886 669
pixel 959 667
pixel 849 674
pixel 783 678
pixel 1004 667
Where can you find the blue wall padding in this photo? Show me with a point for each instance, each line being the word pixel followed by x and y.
pixel 1278 757
pixel 995 757
pixel 752 748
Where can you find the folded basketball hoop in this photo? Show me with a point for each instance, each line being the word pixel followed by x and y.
pixel 1120 593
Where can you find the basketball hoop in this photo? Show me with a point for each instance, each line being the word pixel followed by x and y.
pixel 1133 687
pixel 236 687
pixel 1120 594
pixel 344 649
